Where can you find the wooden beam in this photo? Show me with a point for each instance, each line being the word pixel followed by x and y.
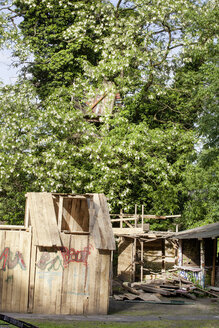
pixel 27 214
pixel 202 262
pixel 214 262
pixel 180 254
pixel 163 255
pixel 121 219
pixel 148 216
pixel 60 213
pixel 12 227
pixel 136 215
pixel 142 217
pixel 142 259
pixel 134 260
pixel 123 231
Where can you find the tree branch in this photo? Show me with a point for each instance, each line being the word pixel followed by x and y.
pixel 118 4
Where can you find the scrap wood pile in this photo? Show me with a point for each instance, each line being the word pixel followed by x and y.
pixel 174 286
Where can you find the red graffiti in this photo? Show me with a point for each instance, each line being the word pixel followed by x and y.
pixel 71 255
pixel 10 262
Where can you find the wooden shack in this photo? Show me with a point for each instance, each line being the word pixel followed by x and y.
pixel 142 254
pixel 59 261
pixel 198 254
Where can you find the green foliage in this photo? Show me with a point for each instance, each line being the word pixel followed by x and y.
pixel 203 187
pixel 161 56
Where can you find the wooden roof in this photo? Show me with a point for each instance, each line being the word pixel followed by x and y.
pixel 206 231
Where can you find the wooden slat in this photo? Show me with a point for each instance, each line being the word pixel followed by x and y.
pixel 50 219
pixel 60 213
pixel 12 227
pixel 123 231
pixel 100 226
pixel 27 214
pixel 32 274
pixel 2 246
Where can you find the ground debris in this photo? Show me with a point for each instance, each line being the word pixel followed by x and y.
pixel 153 291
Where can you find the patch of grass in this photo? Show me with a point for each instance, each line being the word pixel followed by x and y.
pixel 145 324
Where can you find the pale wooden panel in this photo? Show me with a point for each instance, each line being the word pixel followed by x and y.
pixel 43 219
pixel 75 274
pixel 32 274
pixel 2 246
pixel 48 280
pixel 99 266
pixel 100 225
pixel 66 239
pixel 51 220
pixel 14 275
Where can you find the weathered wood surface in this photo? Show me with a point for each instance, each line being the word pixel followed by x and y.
pixel 69 280
pixel 100 225
pixel 46 270
pixel 127 231
pixel 43 220
pixel 14 273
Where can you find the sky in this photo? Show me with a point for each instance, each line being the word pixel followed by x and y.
pixel 8 73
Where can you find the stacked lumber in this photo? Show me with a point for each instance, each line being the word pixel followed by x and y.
pixel 174 286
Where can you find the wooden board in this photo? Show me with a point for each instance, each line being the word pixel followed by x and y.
pixel 100 225
pixel 127 231
pixel 43 220
pixel 14 273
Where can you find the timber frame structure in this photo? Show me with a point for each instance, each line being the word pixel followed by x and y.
pixel 146 255
pixel 142 253
pixel 59 262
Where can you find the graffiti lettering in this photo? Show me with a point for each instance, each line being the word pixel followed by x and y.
pixel 71 255
pixel 9 261
pixel 45 262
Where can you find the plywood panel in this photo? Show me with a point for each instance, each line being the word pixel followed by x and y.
pixel 99 266
pixel 74 276
pixel 43 219
pixel 14 275
pixel 48 280
pixel 100 225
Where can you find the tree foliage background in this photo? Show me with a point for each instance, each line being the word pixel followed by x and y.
pixel 160 148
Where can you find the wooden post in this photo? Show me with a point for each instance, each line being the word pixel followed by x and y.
pixel 121 216
pixel 60 213
pixel 214 262
pixel 180 254
pixel 142 259
pixel 142 218
pixel 136 210
pixel 27 214
pixel 111 273
pixel 163 255
pixel 202 262
pixel 134 260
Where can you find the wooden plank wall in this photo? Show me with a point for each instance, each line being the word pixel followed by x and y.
pixel 69 280
pixel 74 280
pixel 14 270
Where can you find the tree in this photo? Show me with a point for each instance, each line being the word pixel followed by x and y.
pixel 143 153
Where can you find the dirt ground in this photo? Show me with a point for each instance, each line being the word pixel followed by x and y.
pixel 121 311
